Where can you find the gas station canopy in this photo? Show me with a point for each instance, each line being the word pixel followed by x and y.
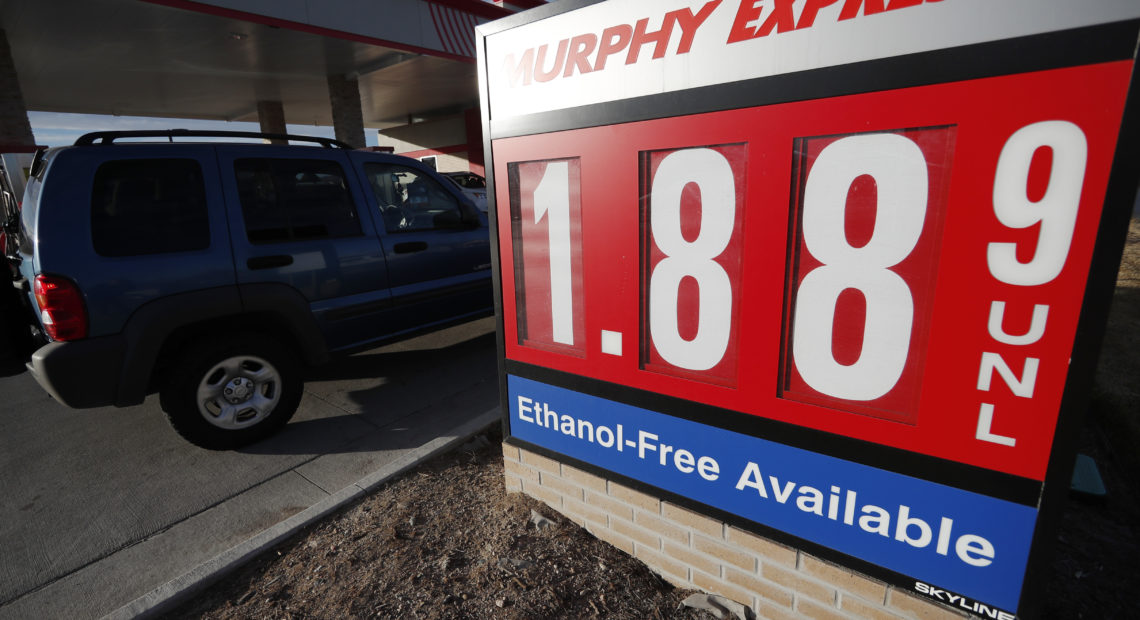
pixel 217 59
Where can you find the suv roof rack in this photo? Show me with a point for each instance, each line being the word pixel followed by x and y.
pixel 108 137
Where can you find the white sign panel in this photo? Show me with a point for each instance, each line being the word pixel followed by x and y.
pixel 630 48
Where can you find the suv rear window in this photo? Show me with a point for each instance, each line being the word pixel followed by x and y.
pixel 294 200
pixel 149 206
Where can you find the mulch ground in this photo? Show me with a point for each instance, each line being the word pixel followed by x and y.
pixel 446 541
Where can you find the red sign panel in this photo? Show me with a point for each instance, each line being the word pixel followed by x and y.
pixel 903 267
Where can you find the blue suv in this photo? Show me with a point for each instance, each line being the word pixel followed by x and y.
pixel 214 272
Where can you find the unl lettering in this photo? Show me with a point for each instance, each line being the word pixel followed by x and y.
pixel 1054 215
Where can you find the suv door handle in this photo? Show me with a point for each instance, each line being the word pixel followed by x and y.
pixel 409 247
pixel 269 262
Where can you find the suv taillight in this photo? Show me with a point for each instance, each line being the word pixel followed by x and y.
pixel 61 308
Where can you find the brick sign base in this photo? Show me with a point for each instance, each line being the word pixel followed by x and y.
pixel 693 551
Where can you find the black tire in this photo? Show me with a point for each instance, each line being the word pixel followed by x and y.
pixel 229 392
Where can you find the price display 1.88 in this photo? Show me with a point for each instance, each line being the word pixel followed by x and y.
pixel 904 267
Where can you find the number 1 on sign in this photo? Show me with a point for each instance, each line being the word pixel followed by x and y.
pixel 546 224
pixel 552 200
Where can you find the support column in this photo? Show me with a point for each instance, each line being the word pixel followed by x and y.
pixel 15 130
pixel 473 122
pixel 271 115
pixel 348 120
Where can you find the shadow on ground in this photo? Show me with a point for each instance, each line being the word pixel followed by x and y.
pixel 381 394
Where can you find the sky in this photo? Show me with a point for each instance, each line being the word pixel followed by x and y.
pixel 59 129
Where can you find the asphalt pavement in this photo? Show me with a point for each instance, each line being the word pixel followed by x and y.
pixel 108 511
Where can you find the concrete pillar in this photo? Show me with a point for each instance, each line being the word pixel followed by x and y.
pixel 473 122
pixel 15 130
pixel 271 115
pixel 348 120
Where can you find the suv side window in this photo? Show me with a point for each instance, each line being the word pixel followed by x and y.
pixel 410 200
pixel 149 206
pixel 294 200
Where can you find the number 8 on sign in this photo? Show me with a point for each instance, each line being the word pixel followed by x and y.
pixel 863 258
pixel 692 229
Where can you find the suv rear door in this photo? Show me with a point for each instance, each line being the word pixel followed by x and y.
pixel 128 224
pixel 296 221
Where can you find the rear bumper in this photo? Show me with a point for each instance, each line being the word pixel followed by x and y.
pixel 80 374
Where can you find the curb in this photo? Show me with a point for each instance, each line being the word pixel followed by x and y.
pixel 175 592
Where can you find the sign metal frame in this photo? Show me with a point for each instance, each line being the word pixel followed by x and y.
pixel 1077 47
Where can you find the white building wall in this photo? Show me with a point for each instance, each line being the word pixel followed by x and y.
pixel 445 139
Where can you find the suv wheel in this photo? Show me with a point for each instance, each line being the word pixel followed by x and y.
pixel 224 394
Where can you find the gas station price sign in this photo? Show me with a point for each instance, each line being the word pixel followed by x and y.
pixel 821 246
pixel 795 261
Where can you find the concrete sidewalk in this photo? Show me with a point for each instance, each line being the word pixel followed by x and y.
pixel 177 591
pixel 110 513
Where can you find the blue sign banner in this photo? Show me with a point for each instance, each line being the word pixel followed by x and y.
pixel 971 544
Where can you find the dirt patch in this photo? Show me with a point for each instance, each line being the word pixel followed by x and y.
pixel 446 540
